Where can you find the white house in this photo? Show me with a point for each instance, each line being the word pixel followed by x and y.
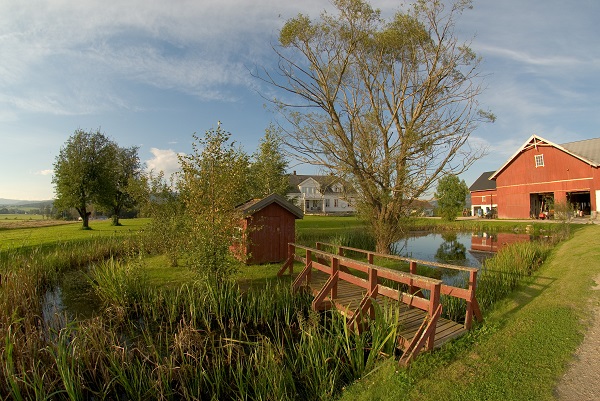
pixel 321 194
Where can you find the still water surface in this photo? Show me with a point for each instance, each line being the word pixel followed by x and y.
pixel 463 249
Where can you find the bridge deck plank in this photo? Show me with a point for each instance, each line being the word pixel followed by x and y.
pixel 349 297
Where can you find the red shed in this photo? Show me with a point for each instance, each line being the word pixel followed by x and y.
pixel 269 225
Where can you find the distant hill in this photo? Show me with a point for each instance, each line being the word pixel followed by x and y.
pixel 24 203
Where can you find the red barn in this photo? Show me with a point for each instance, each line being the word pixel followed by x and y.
pixel 269 225
pixel 542 177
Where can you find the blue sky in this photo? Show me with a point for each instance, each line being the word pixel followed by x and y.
pixel 151 73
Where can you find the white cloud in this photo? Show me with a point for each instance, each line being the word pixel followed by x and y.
pixel 45 172
pixel 558 61
pixel 165 160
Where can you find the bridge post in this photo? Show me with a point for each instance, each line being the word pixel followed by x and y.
pixel 372 289
pixel 308 261
pixel 335 267
pixel 413 270
pixel 289 262
pixel 434 302
pixel 472 305
pixel 370 258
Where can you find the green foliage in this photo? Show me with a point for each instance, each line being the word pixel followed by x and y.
pixel 451 194
pixel 83 172
pixel 166 232
pixel 268 168
pixel 213 182
pixel 92 171
pixel 127 171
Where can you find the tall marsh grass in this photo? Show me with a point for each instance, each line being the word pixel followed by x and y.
pixel 501 274
pixel 203 340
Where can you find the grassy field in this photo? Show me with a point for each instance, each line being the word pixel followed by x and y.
pixel 21 216
pixel 23 235
pixel 521 349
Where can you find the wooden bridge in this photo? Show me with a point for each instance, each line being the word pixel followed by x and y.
pixel 352 286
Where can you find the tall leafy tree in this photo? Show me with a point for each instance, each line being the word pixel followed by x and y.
pixel 83 173
pixel 451 194
pixel 127 170
pixel 388 105
pixel 268 169
pixel 214 181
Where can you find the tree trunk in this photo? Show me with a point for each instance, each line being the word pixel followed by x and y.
pixel 115 217
pixel 86 220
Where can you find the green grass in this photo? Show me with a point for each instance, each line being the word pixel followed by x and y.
pixel 47 236
pixel 521 349
pixel 158 273
pixel 21 216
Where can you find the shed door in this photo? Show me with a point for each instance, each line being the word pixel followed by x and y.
pixel 273 240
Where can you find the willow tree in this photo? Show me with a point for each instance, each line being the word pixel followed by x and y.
pixel 387 104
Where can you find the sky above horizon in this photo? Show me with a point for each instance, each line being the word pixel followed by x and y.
pixel 152 73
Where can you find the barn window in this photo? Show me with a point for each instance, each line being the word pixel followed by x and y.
pixel 539 160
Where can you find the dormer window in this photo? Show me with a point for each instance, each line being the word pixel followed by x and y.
pixel 539 161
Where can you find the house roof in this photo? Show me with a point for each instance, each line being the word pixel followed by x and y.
pixel 483 183
pixel 587 151
pixel 421 204
pixel 324 181
pixel 254 205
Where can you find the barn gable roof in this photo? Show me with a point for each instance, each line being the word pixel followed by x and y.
pixel 587 151
pixel 483 183
pixel 254 205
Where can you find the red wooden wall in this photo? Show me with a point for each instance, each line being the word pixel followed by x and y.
pixel 560 174
pixel 269 231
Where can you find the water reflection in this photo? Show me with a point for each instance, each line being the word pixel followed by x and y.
pixel 463 249
pixel 72 298
pixel 451 250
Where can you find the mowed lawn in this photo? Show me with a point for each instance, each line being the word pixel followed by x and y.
pixel 18 237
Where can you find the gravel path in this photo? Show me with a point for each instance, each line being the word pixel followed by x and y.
pixel 581 382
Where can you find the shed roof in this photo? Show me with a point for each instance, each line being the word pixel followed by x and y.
pixel 483 183
pixel 254 205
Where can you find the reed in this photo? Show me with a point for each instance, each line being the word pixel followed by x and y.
pixel 501 274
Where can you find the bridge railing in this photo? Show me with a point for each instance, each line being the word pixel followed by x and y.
pixel 468 294
pixel 338 268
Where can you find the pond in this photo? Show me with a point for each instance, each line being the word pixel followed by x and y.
pixel 73 298
pixel 463 249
